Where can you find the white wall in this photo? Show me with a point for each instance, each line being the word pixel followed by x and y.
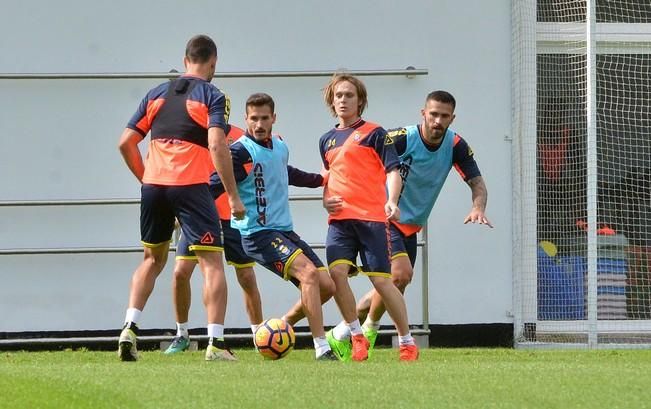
pixel 59 139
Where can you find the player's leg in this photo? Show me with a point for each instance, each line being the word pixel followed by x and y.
pixel 341 252
pixel 237 257
pixel 156 227
pixel 393 301
pixel 344 296
pixel 316 287
pixel 401 274
pixel 142 285
pixel 326 290
pixel 302 269
pixel 326 285
pixel 307 274
pixel 403 257
pixel 182 289
pixel 182 295
pixel 200 224
pixel 281 253
pixel 364 305
pixel 214 299
pixel 144 278
pixel 346 339
pixel 252 300
pixel 214 285
pixel 395 305
pixel 376 258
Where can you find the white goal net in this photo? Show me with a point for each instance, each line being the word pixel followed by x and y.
pixel 582 172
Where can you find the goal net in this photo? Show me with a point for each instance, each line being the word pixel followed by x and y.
pixel 582 172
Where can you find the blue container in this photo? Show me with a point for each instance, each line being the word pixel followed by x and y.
pixel 560 287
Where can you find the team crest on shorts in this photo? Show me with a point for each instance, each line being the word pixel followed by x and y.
pixel 284 250
pixel 207 239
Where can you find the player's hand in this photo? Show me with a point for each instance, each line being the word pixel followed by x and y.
pixel 237 208
pixel 392 211
pixel 333 204
pixel 477 216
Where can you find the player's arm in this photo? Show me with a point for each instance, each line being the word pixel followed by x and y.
pixel 479 198
pixel 128 146
pixel 332 204
pixel 300 178
pixel 241 160
pixel 386 149
pixel 219 150
pixel 394 186
pixel 464 162
pixel 221 158
pixel 137 128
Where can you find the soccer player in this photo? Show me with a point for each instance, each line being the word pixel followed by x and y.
pixel 427 152
pixel 235 256
pixel 361 161
pixel 186 120
pixel 186 260
pixel 262 175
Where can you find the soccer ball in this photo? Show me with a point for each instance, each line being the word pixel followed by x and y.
pixel 274 338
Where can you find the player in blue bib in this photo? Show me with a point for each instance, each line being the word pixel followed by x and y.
pixel 427 152
pixel 260 165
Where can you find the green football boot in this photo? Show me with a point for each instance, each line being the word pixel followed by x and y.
pixel 371 336
pixel 343 349
pixel 179 344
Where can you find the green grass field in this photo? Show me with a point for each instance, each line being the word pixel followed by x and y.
pixel 443 378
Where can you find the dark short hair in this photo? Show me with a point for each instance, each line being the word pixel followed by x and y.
pixel 200 49
pixel 260 99
pixel 442 96
pixel 329 91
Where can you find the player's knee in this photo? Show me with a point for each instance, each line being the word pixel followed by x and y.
pixel 401 277
pixel 402 281
pixel 327 287
pixel 339 274
pixel 155 261
pixel 309 276
pixel 181 274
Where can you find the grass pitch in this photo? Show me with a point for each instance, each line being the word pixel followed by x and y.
pixel 443 378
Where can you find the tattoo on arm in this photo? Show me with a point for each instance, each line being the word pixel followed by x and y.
pixel 479 192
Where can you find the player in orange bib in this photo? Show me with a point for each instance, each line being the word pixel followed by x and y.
pixel 186 118
pixel 361 161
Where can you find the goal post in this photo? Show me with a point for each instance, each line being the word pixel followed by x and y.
pixel 582 173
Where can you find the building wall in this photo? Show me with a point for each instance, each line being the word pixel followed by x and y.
pixel 59 140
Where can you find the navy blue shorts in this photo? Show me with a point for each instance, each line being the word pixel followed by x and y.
pixel 348 238
pixel 192 205
pixel 233 251
pixel 275 250
pixel 402 245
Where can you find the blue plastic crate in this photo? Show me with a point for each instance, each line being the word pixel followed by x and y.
pixel 560 287
pixel 561 284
